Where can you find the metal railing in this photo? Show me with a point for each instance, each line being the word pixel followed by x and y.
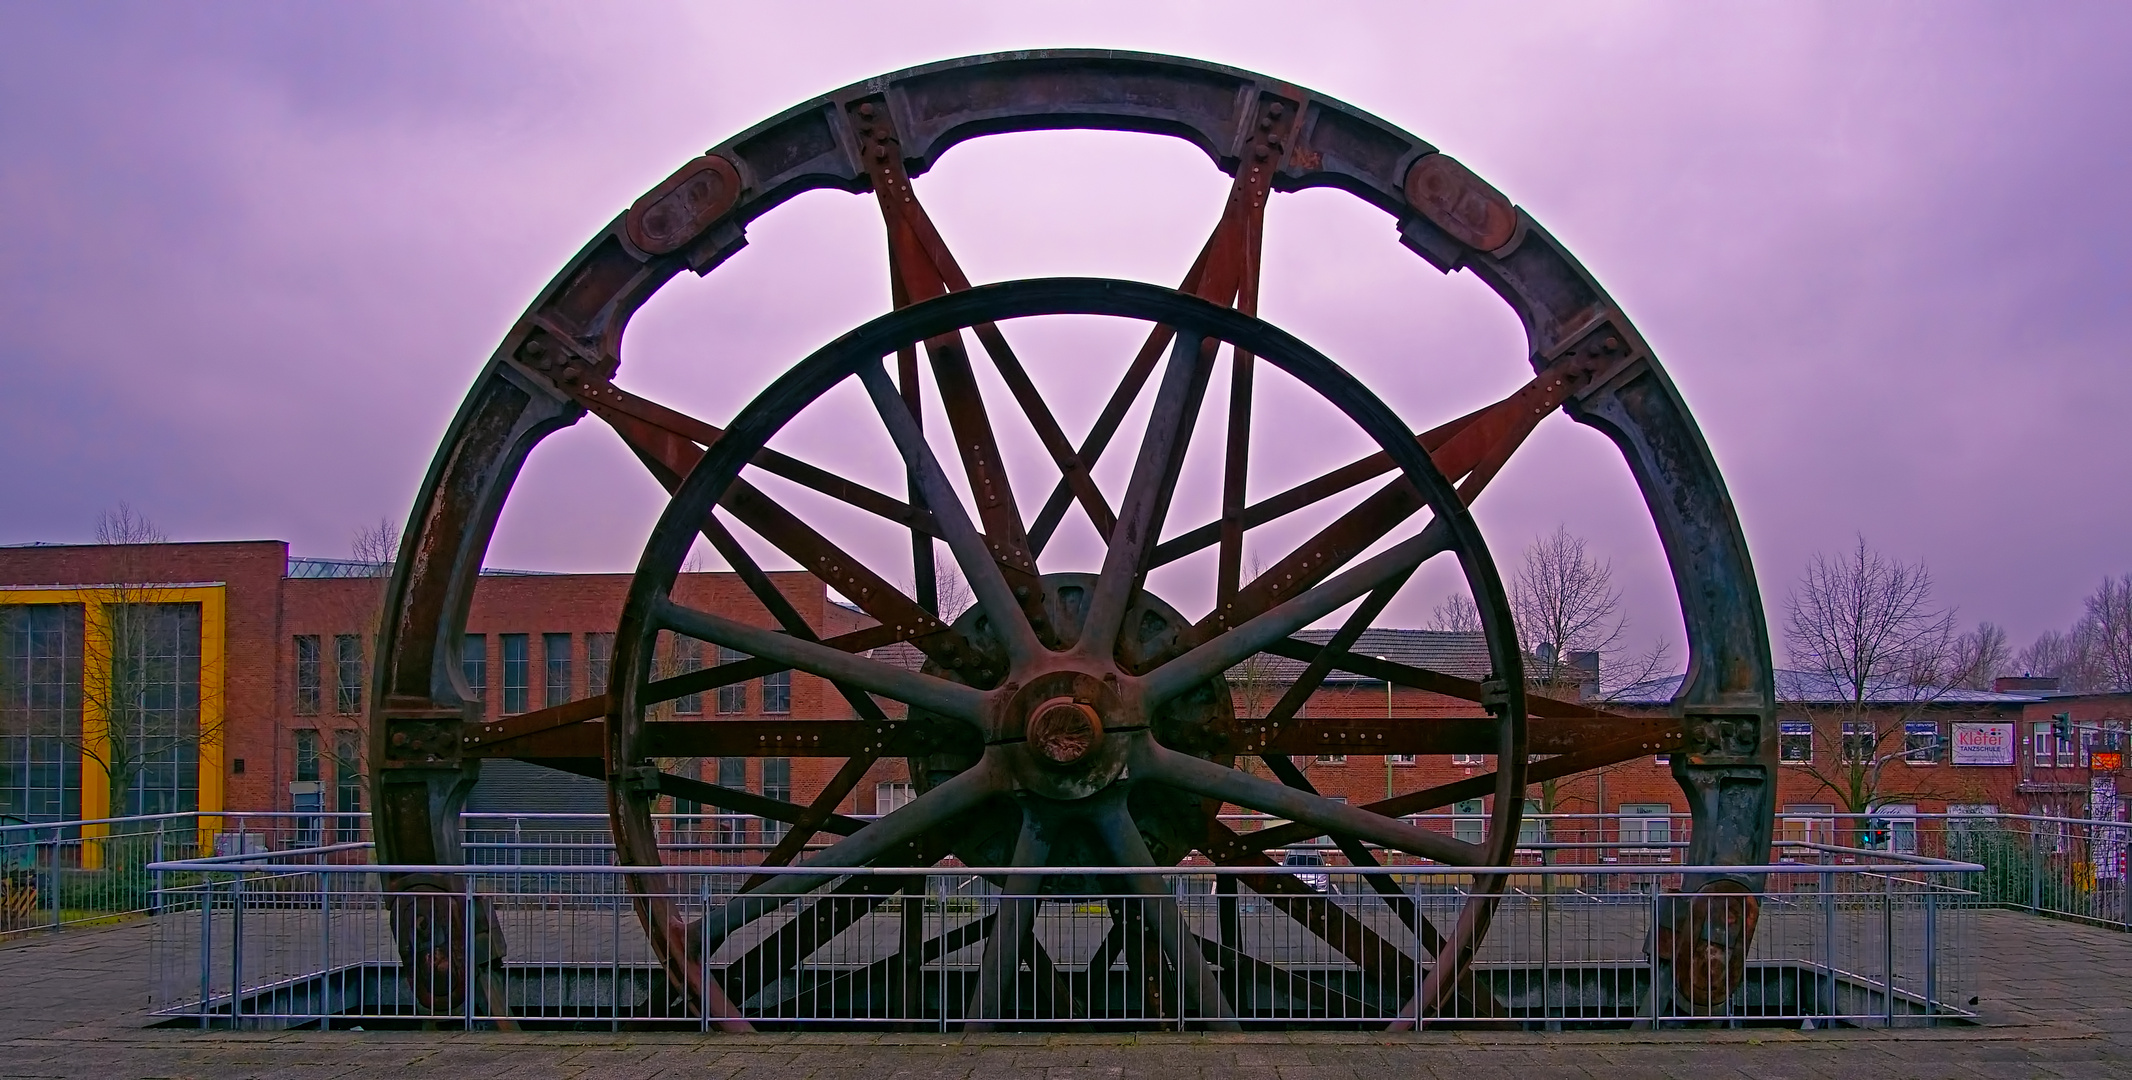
pixel 302 938
pixel 85 872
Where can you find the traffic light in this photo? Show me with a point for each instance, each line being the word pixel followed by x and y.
pixel 2062 727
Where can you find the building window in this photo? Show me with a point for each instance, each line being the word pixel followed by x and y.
pixel 1795 742
pixel 1470 822
pixel 777 693
pixel 347 784
pixel 892 795
pixel 1646 825
pixel 153 703
pixel 1532 829
pixel 688 657
pixel 555 673
pixel 1332 759
pixel 2049 747
pixel 1860 742
pixel 1808 823
pixel 1401 759
pixel 1921 742
pixel 517 673
pixel 1469 760
pixel 347 674
pixel 732 697
pixel 776 784
pixel 306 755
pixel 40 699
pixel 309 686
pixel 474 665
pixel 599 659
pixel 732 774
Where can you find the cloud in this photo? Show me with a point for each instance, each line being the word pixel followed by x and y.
pixel 252 255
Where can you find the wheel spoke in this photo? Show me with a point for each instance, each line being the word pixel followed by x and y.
pixel 1401 904
pixel 643 424
pixel 1307 494
pixel 999 970
pixel 1113 414
pixel 1333 924
pixel 970 549
pixel 1236 645
pixel 1475 787
pixel 671 455
pixel 1147 495
pixel 1476 451
pixel 1203 993
pixel 773 600
pixel 935 809
pixel 898 684
pixel 820 810
pixel 1151 761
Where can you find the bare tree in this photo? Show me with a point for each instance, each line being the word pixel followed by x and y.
pixel 2069 656
pixel 2109 618
pixel 1456 614
pixel 1868 628
pixel 144 701
pixel 374 548
pixel 1982 655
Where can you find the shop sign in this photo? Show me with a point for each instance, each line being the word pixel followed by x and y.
pixel 1984 744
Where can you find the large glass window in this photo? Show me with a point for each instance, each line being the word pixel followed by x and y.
pixel 40 711
pixel 599 658
pixel 688 657
pixel 732 697
pixel 347 674
pixel 517 673
pixel 153 707
pixel 777 693
pixel 733 774
pixel 776 784
pixel 347 783
pixel 306 755
pixel 890 795
pixel 474 665
pixel 310 687
pixel 555 669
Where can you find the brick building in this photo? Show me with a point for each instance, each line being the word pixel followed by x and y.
pixel 265 688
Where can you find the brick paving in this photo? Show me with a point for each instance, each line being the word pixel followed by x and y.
pixel 2053 998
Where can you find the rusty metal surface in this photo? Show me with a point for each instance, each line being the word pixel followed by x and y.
pixel 562 358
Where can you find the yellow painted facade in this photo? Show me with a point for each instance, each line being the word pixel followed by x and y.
pixel 96 601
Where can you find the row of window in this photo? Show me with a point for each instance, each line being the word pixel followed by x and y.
pixel 1921 742
pixel 347 675
pixel 1406 759
pixel 558 656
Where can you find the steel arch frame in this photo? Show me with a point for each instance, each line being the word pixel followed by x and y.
pixel 1272 136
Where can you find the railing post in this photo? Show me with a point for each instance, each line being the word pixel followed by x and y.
pixel 52 878
pixel 207 945
pixel 236 950
pixel 1657 897
pixel 703 998
pixel 468 896
pixel 1932 953
pixel 1828 939
pixel 1887 988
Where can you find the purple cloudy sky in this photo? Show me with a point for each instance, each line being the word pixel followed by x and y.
pixel 251 255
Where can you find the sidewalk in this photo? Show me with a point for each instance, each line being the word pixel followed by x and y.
pixel 2055 998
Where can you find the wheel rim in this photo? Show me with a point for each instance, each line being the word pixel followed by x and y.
pixel 559 361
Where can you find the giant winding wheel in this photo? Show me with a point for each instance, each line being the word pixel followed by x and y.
pixel 1068 718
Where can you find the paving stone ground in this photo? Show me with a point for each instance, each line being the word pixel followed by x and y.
pixel 2054 997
